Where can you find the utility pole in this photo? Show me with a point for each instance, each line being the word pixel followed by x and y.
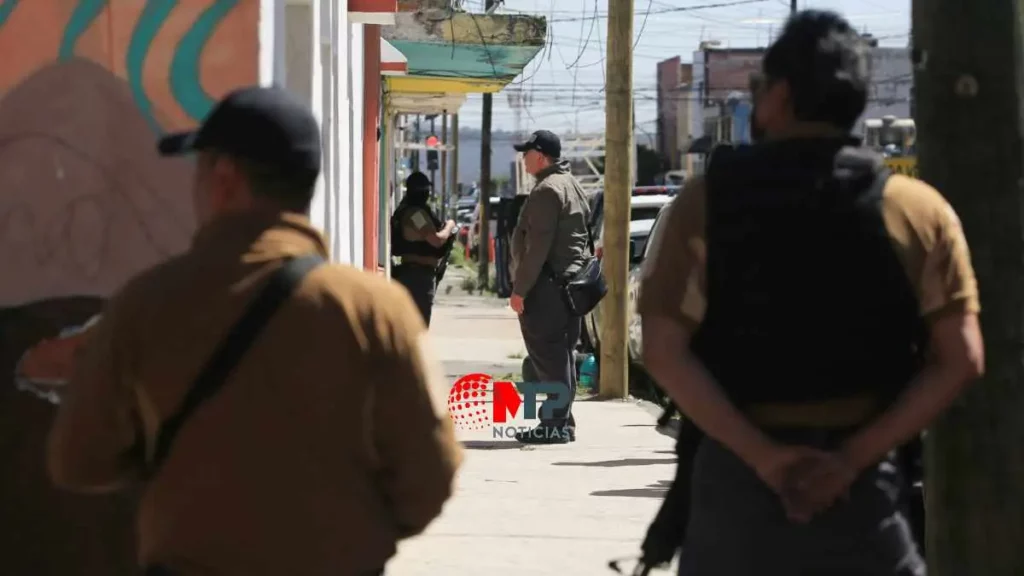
pixel 442 186
pixel 969 90
pixel 433 172
pixel 417 138
pixel 792 6
pixel 455 165
pixel 484 238
pixel 618 169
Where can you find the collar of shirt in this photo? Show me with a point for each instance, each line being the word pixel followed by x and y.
pixel 260 236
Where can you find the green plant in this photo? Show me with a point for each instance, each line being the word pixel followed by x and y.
pixel 517 355
pixel 457 258
pixel 468 284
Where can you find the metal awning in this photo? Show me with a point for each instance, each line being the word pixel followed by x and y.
pixel 392 61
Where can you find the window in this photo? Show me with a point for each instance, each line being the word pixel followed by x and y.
pixel 644 213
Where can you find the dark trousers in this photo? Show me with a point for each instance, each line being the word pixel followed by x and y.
pixel 737 525
pixel 550 333
pixel 418 279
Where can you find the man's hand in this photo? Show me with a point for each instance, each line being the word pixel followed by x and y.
pixel 516 303
pixel 778 465
pixel 816 484
pixel 450 225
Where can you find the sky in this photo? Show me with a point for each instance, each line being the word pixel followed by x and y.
pixel 564 80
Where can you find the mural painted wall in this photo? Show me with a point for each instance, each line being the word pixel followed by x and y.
pixel 85 202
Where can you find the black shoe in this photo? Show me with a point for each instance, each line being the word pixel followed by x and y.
pixel 547 435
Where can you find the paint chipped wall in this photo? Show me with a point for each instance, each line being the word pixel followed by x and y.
pixel 85 203
pixel 443 26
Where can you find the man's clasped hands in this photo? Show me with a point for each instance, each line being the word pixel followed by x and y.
pixel 807 480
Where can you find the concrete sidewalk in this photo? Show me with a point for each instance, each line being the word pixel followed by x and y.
pixel 538 510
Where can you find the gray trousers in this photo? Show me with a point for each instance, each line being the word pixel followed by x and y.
pixel 737 526
pixel 418 279
pixel 550 333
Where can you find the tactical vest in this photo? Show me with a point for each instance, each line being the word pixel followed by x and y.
pixel 402 247
pixel 807 299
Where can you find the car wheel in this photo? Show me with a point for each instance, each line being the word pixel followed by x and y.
pixel 584 344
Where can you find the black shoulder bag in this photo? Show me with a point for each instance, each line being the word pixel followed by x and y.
pixel 279 288
pixel 583 290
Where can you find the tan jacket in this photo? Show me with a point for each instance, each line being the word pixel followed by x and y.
pixel 552 229
pixel 324 448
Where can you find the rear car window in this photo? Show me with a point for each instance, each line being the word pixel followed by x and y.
pixel 644 213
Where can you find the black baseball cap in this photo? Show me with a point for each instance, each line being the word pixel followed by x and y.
pixel 544 142
pixel 260 124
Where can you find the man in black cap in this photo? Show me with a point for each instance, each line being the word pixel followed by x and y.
pixel 419 239
pixel 810 313
pixel 549 244
pixel 279 378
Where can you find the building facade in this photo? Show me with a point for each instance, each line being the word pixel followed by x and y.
pixel 892 85
pixel 718 103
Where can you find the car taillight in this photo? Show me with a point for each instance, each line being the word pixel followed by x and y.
pixel 599 252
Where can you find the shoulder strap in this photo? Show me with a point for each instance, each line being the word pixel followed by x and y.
pixel 586 221
pixel 233 347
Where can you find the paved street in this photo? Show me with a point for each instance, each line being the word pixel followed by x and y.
pixel 547 510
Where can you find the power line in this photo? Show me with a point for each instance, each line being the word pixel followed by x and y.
pixel 670 10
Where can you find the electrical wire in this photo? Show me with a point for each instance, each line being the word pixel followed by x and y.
pixel 672 9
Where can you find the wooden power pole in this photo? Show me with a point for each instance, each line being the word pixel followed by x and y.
pixel 454 189
pixel 484 238
pixel 618 186
pixel 792 7
pixel 442 186
pixel 969 85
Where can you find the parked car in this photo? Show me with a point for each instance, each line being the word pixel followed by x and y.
pixel 466 205
pixel 642 233
pixel 492 217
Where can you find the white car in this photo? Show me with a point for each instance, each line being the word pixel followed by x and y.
pixel 643 209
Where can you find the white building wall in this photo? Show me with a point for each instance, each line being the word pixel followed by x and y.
pixel 696 102
pixel 310 47
pixel 355 150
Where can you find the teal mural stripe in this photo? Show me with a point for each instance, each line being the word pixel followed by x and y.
pixel 6 8
pixel 185 77
pixel 85 13
pixel 146 29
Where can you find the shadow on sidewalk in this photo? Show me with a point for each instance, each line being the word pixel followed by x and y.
pixel 492 445
pixel 657 490
pixel 620 463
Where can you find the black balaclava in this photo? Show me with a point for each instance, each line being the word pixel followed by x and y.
pixel 417 189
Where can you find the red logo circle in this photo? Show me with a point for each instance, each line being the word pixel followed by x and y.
pixel 469 402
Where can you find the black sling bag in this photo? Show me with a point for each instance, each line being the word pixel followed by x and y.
pixel 232 348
